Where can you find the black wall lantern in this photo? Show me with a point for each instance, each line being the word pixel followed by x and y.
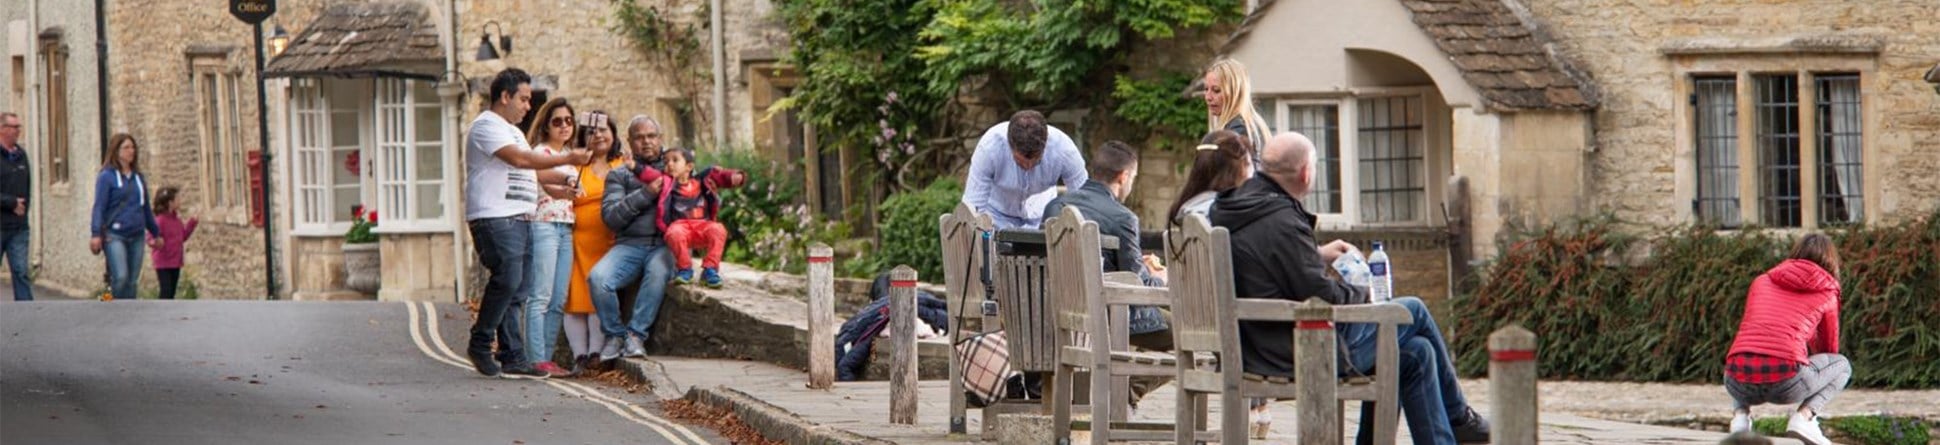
pixel 487 51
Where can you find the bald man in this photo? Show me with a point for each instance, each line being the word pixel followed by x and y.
pixel 1275 256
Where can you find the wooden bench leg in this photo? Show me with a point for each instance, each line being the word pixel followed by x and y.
pixel 1059 397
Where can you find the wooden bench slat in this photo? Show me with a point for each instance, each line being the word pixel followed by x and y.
pixel 1123 295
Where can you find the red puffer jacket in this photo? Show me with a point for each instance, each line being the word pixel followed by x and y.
pixel 1791 312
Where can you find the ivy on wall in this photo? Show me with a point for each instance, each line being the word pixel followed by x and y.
pixel 674 45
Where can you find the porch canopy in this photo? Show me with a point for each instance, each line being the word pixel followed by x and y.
pixel 379 39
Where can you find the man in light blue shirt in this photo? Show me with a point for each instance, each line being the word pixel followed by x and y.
pixel 1016 170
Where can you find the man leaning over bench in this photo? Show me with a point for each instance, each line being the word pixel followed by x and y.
pixel 1275 256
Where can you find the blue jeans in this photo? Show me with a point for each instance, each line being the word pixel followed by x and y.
pixel 124 264
pixel 13 245
pixel 503 246
pixel 1429 394
pixel 544 289
pixel 626 262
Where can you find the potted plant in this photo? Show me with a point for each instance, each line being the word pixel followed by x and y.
pixel 363 268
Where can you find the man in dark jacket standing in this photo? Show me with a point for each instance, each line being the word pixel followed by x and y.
pixel 16 184
pixel 639 248
pixel 1275 256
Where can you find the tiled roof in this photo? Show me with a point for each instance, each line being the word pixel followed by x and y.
pixel 1506 57
pixel 382 38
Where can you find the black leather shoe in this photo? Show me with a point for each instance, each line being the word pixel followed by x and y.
pixel 484 363
pixel 1475 430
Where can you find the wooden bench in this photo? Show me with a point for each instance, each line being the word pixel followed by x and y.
pixel 965 241
pixel 1205 320
pixel 1090 312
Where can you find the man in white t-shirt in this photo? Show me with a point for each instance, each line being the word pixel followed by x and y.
pixel 501 186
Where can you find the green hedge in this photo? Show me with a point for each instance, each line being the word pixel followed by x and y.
pixel 909 233
pixel 1863 430
pixel 768 226
pixel 1608 305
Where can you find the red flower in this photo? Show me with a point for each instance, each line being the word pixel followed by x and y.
pixel 357 210
pixel 373 217
pixel 351 162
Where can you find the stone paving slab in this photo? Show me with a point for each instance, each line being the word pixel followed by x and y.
pixel 863 407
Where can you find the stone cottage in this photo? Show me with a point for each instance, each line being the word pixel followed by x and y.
pixel 1786 114
pixel 366 102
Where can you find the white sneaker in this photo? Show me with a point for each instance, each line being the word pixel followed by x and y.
pixel 635 347
pixel 1741 422
pixel 1805 429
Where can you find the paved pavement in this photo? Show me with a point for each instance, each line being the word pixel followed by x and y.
pixel 198 372
pixel 863 407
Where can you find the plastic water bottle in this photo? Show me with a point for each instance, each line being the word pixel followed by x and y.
pixel 1382 287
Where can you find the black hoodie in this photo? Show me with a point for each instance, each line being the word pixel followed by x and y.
pixel 1274 256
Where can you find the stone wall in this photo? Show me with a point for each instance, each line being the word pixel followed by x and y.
pixel 59 214
pixel 1633 167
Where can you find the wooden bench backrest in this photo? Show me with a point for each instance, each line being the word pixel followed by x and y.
pixel 1200 271
pixel 964 246
pixel 1076 272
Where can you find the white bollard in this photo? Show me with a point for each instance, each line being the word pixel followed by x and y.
pixel 821 316
pixel 1512 385
pixel 902 335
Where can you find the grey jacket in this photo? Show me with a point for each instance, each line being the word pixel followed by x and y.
pixel 1094 200
pixel 628 208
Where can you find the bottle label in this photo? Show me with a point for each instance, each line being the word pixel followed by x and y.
pixel 1378 269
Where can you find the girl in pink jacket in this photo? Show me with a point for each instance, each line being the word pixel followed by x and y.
pixel 168 240
pixel 1787 347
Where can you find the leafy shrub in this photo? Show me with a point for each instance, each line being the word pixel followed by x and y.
pixel 1601 313
pixel 1863 430
pixel 909 232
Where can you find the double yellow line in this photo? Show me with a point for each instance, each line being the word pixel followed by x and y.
pixel 674 432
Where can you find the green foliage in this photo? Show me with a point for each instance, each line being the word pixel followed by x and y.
pixel 1158 105
pixel 909 231
pixel 1861 430
pixel 361 223
pixel 853 54
pixel 767 227
pixel 672 42
pixel 1609 306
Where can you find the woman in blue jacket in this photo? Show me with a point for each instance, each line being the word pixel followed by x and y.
pixel 122 219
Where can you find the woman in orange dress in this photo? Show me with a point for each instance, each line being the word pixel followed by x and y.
pixel 590 240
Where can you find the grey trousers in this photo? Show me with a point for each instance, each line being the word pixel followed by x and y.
pixel 1818 381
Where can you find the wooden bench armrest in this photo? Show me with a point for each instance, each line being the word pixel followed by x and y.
pixel 1385 313
pixel 1262 309
pixel 1128 295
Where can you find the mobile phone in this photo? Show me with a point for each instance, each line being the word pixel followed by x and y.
pixel 588 122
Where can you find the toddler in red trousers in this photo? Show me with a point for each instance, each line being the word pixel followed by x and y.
pixel 690 202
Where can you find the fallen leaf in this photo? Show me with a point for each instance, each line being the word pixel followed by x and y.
pixel 255 382
pixel 53 417
pixel 232 378
pixel 322 407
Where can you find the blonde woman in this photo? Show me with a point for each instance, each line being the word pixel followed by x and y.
pixel 1229 104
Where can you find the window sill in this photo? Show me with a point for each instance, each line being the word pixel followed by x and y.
pixel 415 227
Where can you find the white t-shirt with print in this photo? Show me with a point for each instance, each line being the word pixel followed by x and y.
pixel 493 188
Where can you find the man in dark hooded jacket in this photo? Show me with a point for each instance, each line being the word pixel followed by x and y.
pixel 1275 256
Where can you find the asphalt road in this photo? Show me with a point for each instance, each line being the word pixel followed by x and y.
pixel 228 372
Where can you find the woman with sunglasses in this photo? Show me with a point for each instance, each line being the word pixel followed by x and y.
pixel 550 269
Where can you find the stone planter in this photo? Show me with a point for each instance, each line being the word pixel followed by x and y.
pixel 363 267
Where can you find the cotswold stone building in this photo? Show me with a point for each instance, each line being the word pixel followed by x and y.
pixel 366 102
pixel 1788 114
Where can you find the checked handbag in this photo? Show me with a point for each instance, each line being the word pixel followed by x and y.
pixel 986 367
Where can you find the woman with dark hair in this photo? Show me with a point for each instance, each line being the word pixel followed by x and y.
pixel 1220 163
pixel 170 240
pixel 123 218
pixel 590 240
pixel 1787 347
pixel 545 285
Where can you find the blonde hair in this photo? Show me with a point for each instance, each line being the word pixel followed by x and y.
pixel 1238 102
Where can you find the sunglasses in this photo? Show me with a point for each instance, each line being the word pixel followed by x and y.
pixel 561 121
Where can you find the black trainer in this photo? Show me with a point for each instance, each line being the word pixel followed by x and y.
pixel 1475 430
pixel 484 364
pixel 523 371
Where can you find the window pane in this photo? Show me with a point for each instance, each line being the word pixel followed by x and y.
pixel 340 173
pixel 1716 114
pixel 430 201
pixel 429 126
pixel 345 196
pixel 1778 150
pixel 1391 162
pixel 1321 124
pixel 212 141
pixel 1269 115
pixel 431 162
pixel 1840 177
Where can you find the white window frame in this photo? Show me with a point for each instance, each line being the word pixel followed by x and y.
pixel 310 144
pixel 1746 68
pixel 1433 122
pixel 395 163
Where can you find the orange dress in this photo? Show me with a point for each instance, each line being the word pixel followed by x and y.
pixel 591 238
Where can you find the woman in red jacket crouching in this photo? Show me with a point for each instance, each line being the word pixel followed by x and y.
pixel 1787 348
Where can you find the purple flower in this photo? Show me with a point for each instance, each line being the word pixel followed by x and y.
pixel 892 97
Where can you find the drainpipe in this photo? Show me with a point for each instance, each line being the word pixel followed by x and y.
pixel 101 75
pixel 720 75
pixel 32 114
pixel 454 107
